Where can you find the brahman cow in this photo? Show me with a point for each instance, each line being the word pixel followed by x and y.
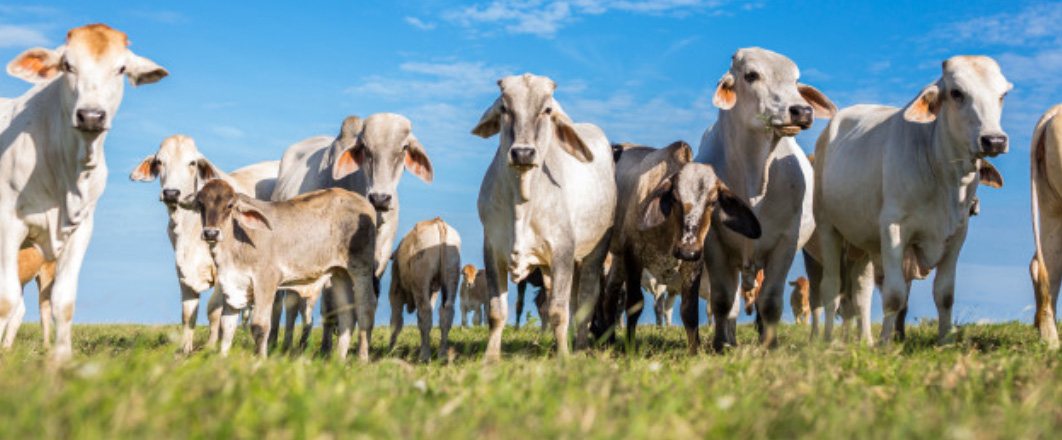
pixel 547 200
pixel 1046 265
pixel 473 295
pixel 52 161
pixel 761 107
pixel 425 263
pixel 259 247
pixel 665 207
pixel 182 170
pixel 898 184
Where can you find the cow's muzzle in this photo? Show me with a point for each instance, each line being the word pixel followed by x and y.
pixel 522 157
pixel 685 254
pixel 91 120
pixel 382 202
pixel 171 196
pixel 211 235
pixel 802 116
pixel 994 144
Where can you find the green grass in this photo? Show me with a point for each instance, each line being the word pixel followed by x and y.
pixel 127 382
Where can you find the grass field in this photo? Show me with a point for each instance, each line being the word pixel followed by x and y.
pixel 127 382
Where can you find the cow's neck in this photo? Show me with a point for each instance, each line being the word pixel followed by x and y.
pixel 954 167
pixel 521 184
pixel 747 156
pixel 76 160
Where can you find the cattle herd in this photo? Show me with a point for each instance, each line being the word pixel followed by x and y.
pixel 885 199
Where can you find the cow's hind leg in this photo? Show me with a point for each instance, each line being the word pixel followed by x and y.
pixel 590 273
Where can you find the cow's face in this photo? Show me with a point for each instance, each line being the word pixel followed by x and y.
pixel 690 197
pixel 91 64
pixel 220 207
pixel 470 273
pixel 382 148
pixel 969 95
pixel 181 171
pixel 762 91
pixel 530 120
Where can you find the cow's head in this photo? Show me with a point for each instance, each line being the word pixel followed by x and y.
pixel 181 170
pixel 690 197
pixel 470 273
pixel 968 98
pixel 761 89
pixel 381 147
pixel 91 64
pixel 220 207
pixel 529 120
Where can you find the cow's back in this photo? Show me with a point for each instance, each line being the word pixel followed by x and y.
pixel 257 180
pixel 305 168
pixel 427 253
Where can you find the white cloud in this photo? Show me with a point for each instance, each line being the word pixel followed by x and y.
pixel 419 24
pixel 543 18
pixel 21 36
pixel 435 81
pixel 165 17
pixel 1035 24
pixel 227 131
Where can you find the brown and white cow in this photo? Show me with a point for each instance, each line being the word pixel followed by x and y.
pixel 32 265
pixel 259 247
pixel 425 263
pixel 473 295
pixel 798 300
pixel 51 154
pixel 665 207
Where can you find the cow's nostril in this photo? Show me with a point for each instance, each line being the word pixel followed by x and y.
pixel 801 114
pixel 993 144
pixel 381 202
pixel 170 195
pixel 91 119
pixel 211 234
pixel 522 156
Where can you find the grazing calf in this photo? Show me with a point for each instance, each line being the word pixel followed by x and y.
pixel 31 264
pixel 761 107
pixel 664 297
pixel 798 300
pixel 665 207
pixel 898 184
pixel 51 154
pixel 473 295
pixel 546 201
pixel 182 171
pixel 427 261
pixel 1046 264
pixel 259 247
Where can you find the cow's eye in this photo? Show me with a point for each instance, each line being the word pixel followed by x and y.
pixel 752 76
pixel 67 67
pixel 957 95
pixel 231 205
pixel 121 70
pixel 548 111
pixel 191 164
pixel 504 110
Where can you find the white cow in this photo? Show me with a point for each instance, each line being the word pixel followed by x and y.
pixel 761 107
pixel 51 158
pixel 182 171
pixel 547 200
pixel 899 183
pixel 1046 265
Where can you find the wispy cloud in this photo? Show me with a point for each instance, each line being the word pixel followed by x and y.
pixel 22 36
pixel 1036 24
pixel 226 131
pixel 165 17
pixel 543 18
pixel 419 24
pixel 440 80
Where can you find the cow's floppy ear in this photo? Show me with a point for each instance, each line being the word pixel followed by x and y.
pixel 142 71
pixel 249 217
pixel 822 105
pixel 924 108
pixel 147 171
pixel 657 207
pixel 725 95
pixel 989 175
pixel 349 161
pixel 35 65
pixel 681 152
pixel 736 214
pixel 567 137
pixel 490 123
pixel 417 161
pixel 207 170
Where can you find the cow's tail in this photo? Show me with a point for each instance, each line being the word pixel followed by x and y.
pixel 1045 316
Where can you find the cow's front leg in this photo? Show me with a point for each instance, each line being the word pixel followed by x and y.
pixel 944 288
pixel 771 301
pixel 229 320
pixel 424 309
pixel 306 310
pixel 64 290
pixel 262 320
pixel 590 273
pixel 894 287
pixel 498 304
pixel 12 326
pixel 11 237
pixel 562 271
pixel 724 290
pixel 364 294
pixel 215 307
pixel 831 243
pixel 189 314
pixel 861 293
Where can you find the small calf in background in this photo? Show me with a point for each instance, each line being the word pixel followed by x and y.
pixel 260 247
pixel 798 300
pixel 474 295
pixel 750 295
pixel 427 261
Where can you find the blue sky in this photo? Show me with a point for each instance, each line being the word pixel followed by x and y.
pixel 247 80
